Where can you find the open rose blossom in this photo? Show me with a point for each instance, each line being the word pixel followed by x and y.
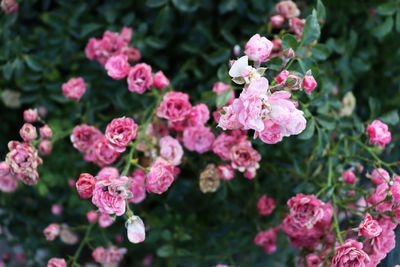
pixel 226 172
pixel 258 48
pixel 288 9
pixel 175 106
pixel 30 115
pixel 120 132
pixel 136 230
pixel 56 262
pixel 267 240
pixel 117 67
pixel 85 185
pixel 108 173
pixel 28 132
pixel 171 150
pixel 198 138
pixel 160 81
pixel 137 186
pixel 83 137
pixel 51 231
pixel 369 227
pixel 74 89
pixel 378 133
pixel 350 254
pixel 140 78
pixel 104 152
pixel 244 157
pixel 160 176
pixel 265 205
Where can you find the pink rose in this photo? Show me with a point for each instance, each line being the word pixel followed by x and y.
pixel 297 25
pixel 104 152
pixel 44 147
pixel 117 67
pixel 109 195
pixel 74 89
pixel 226 172
pixel 175 106
pixel 288 9
pixel 305 211
pixel 9 6
pixel 108 173
pixel 223 144
pixel 277 21
pixel 133 54
pixel 99 255
pixel 244 157
pixel 199 115
pixel 313 260
pixel 136 230
pixel 265 205
pixel 45 132
pixel 350 254
pixel 258 48
pixel 160 177
pixel 51 231
pixel 83 137
pixel 198 138
pixel 379 176
pixel 281 78
pixel 115 255
pixel 220 87
pixel 91 216
pixel 30 115
pixel 140 78
pixel 309 83
pixel 271 134
pixel 171 150
pixel 56 262
pixel 229 119
pixel 267 240
pixel 28 132
pixel 137 186
pixel 349 177
pixel 105 220
pixel 120 132
pixel 379 194
pixel 7 183
pixel 4 168
pixel 369 227
pixel 85 185
pixel 56 209
pixel 160 81
pixel 395 190
pixel 378 133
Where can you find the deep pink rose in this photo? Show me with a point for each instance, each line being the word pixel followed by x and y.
pixel 51 231
pixel 350 254
pixel 83 137
pixel 74 89
pixel 45 132
pixel 258 48
pixel 265 205
pixel 120 132
pixel 223 144
pixel 133 54
pixel 281 78
pixel 140 78
pixel 160 81
pixel 313 260
pixel 175 106
pixel 171 150
pixel 108 173
pixel 104 152
pixel 395 190
pixel 271 134
pixel 309 83
pixel 379 176
pixel 378 133
pixel 297 25
pixel 198 138
pixel 85 185
pixel 369 227
pixel 349 177
pixel 305 210
pixel 137 186
pixel 117 67
pixel 99 255
pixel 199 115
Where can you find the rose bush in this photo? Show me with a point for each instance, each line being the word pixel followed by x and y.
pixel 181 133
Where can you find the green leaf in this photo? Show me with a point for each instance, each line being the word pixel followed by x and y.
pixel 89 28
pixel 181 252
pixel 33 63
pixel 275 63
pixel 223 98
pixel 155 3
pixel 163 20
pixel 186 5
pixel 7 71
pixel 43 190
pixel 165 251
pixel 321 10
pixel 309 131
pixel 327 122
pixel 219 56
pixel 311 31
pixel 222 73
pixel 320 51
pixel 386 9
pixel 398 21
pixel 383 29
pixel 289 41
pixel 373 107
pixel 166 235
pixel 392 117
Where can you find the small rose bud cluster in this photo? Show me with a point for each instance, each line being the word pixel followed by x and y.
pixel 378 133
pixel 288 11
pixel 112 255
pixel 9 6
pixel 292 81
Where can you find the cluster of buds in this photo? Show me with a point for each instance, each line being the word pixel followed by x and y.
pixel 288 11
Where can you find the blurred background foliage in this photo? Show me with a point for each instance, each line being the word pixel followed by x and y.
pixel 42 46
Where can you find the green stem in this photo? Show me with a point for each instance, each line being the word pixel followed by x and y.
pixel 335 220
pixel 81 245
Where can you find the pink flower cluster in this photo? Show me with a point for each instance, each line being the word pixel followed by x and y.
pixel 288 11
pixel 111 255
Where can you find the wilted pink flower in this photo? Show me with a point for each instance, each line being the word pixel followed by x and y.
pixel 85 185
pixel 105 220
pixel 45 132
pixel 30 115
pixel 109 195
pixel 83 137
pixel 74 89
pixel 349 177
pixel 369 227
pixel 7 183
pixel 379 176
pixel 198 138
pixel 104 152
pixel 51 231
pixel 28 132
pixel 267 240
pixel 171 150
pixel 378 133
pixel 56 262
pixel 120 132
pixel 136 230
pixel 226 172
pixel 265 205
pixel 117 67
pixel 175 106
pixel 91 216
pixel 281 78
pixel 244 157
pixel 9 6
pixel 277 21
pixel 137 186
pixel 297 25
pixel 160 177
pixel 288 9
pixel 309 83
pixel 160 81
pixel 258 48
pixel 350 254
pixel 140 78
pixel 44 147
